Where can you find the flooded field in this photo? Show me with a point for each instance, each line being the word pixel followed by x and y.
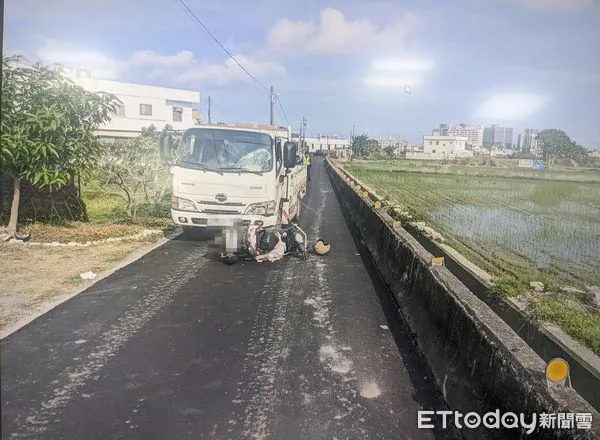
pixel 552 224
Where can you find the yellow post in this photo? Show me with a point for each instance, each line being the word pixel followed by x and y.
pixel 557 372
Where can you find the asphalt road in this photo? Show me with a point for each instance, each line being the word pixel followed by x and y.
pixel 179 346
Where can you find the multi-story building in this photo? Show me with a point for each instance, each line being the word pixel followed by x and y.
pixel 527 140
pixel 497 137
pixel 141 105
pixel 442 147
pixel 473 133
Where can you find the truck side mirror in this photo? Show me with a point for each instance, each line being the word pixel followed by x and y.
pixel 290 150
pixel 166 145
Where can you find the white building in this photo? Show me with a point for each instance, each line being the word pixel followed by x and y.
pixel 438 147
pixel 473 133
pixel 141 106
pixel 329 144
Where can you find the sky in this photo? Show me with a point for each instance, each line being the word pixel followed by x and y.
pixel 341 64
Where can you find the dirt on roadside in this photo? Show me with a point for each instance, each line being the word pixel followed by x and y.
pixel 35 278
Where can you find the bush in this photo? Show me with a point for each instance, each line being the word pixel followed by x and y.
pixel 161 209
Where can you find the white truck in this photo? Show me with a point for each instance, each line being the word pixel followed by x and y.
pixel 226 178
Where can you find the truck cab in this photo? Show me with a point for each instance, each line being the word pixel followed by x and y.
pixel 224 177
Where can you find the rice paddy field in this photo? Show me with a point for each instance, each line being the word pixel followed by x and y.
pixel 519 225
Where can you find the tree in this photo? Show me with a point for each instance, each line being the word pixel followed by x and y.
pixel 577 152
pixel 555 144
pixel 48 126
pixel 364 147
pixel 135 167
pixel 389 150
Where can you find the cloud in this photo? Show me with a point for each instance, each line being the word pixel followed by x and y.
pixel 510 106
pixel 77 57
pixel 180 68
pixel 229 72
pixel 398 72
pixel 335 34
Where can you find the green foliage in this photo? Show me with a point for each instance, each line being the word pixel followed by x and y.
pixel 48 124
pixel 556 145
pixel 507 287
pixel 558 309
pixel 364 147
pixel 134 167
pixel 389 151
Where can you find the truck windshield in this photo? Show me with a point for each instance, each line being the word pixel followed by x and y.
pixel 226 150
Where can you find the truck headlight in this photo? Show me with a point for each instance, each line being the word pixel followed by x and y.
pixel 264 208
pixel 181 204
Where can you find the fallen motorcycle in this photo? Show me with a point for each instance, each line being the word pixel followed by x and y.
pixel 270 244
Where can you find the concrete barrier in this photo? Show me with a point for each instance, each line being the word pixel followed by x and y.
pixel 479 361
pixel 547 341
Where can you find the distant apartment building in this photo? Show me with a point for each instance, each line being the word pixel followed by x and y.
pixel 527 140
pixel 438 147
pixel 400 145
pixel 497 137
pixel 141 105
pixel 473 133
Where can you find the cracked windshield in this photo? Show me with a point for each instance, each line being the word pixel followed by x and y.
pixel 317 220
pixel 223 151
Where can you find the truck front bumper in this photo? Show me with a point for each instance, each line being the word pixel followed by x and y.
pixel 201 220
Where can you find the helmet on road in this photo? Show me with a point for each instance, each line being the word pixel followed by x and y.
pixel 321 247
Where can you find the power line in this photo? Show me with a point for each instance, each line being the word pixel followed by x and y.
pixel 282 110
pixel 192 15
pixel 197 20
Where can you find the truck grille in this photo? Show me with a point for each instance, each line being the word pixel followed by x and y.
pixel 218 211
pixel 206 202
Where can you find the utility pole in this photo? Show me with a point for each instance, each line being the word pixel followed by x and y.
pixel 272 105
pixel 209 121
pixel 302 133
